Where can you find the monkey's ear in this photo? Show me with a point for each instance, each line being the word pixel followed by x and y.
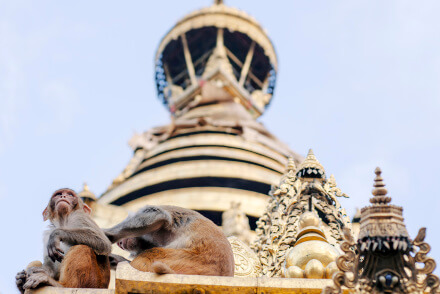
pixel 87 209
pixel 45 214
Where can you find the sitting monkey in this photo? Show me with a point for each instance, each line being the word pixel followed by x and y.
pixel 73 232
pixel 170 239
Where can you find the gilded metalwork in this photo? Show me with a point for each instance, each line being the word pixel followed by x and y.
pixel 278 228
pixel 312 256
pixel 383 260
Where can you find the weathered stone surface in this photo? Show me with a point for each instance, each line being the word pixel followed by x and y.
pixel 130 280
pixel 53 290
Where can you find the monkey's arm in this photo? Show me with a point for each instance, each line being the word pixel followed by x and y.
pixel 91 237
pixel 145 221
pixel 48 268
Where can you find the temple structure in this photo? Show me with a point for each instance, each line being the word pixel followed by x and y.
pixel 216 72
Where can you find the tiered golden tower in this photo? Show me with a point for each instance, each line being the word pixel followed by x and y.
pixel 215 72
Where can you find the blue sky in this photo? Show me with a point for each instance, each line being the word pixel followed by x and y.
pixel 358 81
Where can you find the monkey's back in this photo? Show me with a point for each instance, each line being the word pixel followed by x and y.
pixel 205 239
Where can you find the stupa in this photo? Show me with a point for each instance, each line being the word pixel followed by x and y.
pixel 216 72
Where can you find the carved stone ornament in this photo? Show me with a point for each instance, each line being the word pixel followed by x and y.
pixel 299 191
pixel 383 260
pixel 247 263
pixel 236 223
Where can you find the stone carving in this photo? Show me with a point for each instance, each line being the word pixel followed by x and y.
pixel 247 263
pixel 300 190
pixel 236 223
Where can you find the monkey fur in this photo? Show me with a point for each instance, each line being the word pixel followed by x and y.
pixel 77 250
pixel 169 239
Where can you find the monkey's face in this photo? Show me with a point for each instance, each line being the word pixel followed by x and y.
pixel 63 202
pixel 136 245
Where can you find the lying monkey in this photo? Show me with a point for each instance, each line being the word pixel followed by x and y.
pixel 170 239
pixel 77 250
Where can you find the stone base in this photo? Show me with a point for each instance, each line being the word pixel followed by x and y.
pixel 130 280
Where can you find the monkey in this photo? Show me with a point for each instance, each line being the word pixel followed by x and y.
pixel 77 250
pixel 173 240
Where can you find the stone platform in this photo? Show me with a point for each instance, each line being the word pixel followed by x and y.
pixel 130 280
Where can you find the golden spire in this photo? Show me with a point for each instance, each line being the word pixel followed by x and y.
pixel 310 167
pixel 379 190
pixel 86 193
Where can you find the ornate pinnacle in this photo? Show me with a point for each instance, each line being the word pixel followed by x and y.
pixel 311 166
pixel 291 166
pixel 86 193
pixel 379 190
pixel 217 2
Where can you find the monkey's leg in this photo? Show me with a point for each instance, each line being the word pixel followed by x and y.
pixel 179 261
pixel 82 268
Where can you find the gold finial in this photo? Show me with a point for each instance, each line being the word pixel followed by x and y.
pixel 86 193
pixel 311 167
pixel 379 190
pixel 218 2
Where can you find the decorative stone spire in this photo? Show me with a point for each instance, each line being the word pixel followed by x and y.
pixel 382 260
pixel 382 219
pixel 291 166
pixel 379 190
pixel 296 203
pixel 310 167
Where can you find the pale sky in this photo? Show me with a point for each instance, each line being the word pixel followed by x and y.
pixel 358 81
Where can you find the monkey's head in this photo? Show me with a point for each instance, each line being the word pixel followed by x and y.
pixel 134 245
pixel 62 203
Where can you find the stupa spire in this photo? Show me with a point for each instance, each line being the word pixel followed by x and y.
pixel 311 167
pixel 379 190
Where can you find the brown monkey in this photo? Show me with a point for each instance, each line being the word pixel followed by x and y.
pixel 170 239
pixel 77 250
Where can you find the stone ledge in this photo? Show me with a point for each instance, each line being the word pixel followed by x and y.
pixel 54 290
pixel 130 280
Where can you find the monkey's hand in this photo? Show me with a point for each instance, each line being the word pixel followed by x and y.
pixel 53 247
pixel 21 277
pixel 20 280
pixel 35 279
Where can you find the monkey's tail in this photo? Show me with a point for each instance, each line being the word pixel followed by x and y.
pixel 161 268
